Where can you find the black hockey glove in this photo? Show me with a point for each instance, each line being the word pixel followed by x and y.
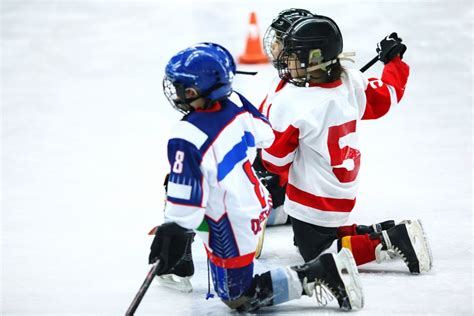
pixel 172 246
pixel 390 47
pixel 165 183
pixel 271 181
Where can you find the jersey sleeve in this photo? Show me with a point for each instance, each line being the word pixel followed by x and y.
pixel 187 187
pixel 278 157
pixel 383 93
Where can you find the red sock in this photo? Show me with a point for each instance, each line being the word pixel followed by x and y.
pixel 343 231
pixel 361 246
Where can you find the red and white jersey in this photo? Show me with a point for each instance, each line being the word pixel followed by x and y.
pixel 316 140
pixel 276 86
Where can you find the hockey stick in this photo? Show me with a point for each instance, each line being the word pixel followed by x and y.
pixel 141 292
pixel 369 64
pixel 241 72
pixel 363 69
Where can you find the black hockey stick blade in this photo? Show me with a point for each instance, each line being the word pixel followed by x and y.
pixel 250 73
pixel 141 292
pixel 369 64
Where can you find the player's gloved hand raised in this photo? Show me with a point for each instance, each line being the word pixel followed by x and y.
pixel 172 246
pixel 389 47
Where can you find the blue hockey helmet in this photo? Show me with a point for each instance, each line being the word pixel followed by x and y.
pixel 206 67
pixel 223 53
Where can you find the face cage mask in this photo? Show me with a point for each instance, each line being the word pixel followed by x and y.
pixel 175 93
pixel 297 73
pixel 290 69
pixel 272 37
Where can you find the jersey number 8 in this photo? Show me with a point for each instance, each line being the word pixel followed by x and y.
pixel 178 162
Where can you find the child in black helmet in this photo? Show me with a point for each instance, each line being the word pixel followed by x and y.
pixel 315 122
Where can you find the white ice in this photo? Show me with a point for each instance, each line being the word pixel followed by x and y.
pixel 84 131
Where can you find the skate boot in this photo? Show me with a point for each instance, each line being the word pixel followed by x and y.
pixel 407 240
pixel 351 230
pixel 325 274
pixel 374 228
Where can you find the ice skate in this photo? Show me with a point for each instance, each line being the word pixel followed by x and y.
pixel 325 274
pixel 175 282
pixel 179 277
pixel 375 228
pixel 407 240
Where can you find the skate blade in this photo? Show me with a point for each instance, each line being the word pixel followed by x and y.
pixel 427 243
pixel 420 244
pixel 171 281
pixel 426 248
pixel 345 260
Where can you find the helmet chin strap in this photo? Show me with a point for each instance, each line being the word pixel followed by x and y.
pixel 343 56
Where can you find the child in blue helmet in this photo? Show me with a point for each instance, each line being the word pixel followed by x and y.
pixel 214 192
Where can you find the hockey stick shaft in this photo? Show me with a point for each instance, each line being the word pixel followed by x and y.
pixel 369 64
pixel 141 292
pixel 363 69
pixel 251 73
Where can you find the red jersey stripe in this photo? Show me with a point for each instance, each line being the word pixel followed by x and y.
pixel 319 202
pixel 231 263
pixel 285 142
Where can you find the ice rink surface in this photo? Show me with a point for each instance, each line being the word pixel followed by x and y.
pixel 84 130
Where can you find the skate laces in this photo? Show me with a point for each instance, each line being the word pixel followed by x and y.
pixel 322 294
pixel 393 251
pixel 322 291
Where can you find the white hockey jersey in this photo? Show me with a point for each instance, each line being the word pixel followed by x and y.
pixel 212 187
pixel 316 140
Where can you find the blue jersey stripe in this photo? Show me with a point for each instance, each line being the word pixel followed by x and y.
pixel 235 155
pixel 221 239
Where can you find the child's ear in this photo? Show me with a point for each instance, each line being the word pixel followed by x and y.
pixel 190 93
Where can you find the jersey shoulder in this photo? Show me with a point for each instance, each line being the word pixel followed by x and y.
pixel 186 132
pixel 355 77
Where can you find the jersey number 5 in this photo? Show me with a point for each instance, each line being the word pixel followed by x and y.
pixel 339 155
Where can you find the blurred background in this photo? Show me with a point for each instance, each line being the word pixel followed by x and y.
pixel 85 126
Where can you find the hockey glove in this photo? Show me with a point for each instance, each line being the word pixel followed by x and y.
pixel 172 246
pixel 271 181
pixel 390 47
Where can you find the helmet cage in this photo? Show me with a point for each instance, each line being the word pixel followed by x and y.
pixel 295 65
pixel 292 68
pixel 176 94
pixel 207 68
pixel 310 44
pixel 276 30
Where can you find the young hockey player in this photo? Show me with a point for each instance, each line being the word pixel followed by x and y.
pixel 276 184
pixel 272 44
pixel 213 191
pixel 314 121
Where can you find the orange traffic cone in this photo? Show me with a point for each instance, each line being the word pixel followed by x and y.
pixel 253 50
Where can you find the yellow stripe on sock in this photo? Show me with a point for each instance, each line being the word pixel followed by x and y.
pixel 346 242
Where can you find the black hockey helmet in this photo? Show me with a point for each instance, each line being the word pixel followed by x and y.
pixel 311 43
pixel 278 27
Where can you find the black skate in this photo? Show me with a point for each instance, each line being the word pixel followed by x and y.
pixel 374 228
pixel 407 240
pixel 325 272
